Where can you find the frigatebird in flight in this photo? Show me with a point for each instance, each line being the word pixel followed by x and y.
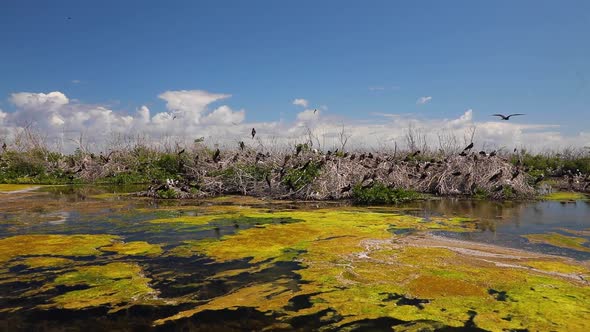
pixel 506 117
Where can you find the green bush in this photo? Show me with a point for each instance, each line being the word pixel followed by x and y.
pixel 379 193
pixel 297 178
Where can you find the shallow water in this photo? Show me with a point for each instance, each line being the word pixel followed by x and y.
pixel 76 258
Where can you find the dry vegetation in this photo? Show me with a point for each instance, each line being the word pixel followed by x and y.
pixel 300 171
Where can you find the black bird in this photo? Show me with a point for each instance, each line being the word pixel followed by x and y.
pixel 268 181
pixel 253 133
pixel 352 156
pixel 463 154
pixel 495 176
pixel 493 153
pixel 456 173
pixel 469 147
pixel 181 152
pixel 539 178
pixel 416 153
pixel 345 189
pixel 242 145
pixel 216 155
pixel 482 153
pixel 370 156
pixel 506 117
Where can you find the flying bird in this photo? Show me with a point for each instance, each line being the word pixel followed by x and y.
pixel 253 133
pixel 506 117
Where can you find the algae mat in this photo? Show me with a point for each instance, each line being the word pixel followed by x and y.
pixel 236 264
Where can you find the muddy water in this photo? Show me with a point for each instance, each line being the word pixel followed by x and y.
pixel 92 258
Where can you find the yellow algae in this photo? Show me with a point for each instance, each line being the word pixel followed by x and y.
pixel 565 196
pixel 8 188
pixel 109 284
pixel 352 264
pixel 559 240
pixel 556 266
pixel 43 262
pixel 135 248
pixel 53 245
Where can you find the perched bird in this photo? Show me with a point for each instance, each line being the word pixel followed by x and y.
pixel 253 133
pixel 506 117
pixel 463 153
pixel 346 188
pixel 416 153
pixel 216 155
pixel 482 153
pixel 181 152
pixel 493 153
pixel 298 149
pixel 496 176
pixel 242 145
pixel 469 147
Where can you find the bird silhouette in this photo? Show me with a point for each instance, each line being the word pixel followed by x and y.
pixel 253 133
pixel 242 145
pixel 507 117
pixel 456 173
pixel 315 111
pixel 469 147
pixel 216 155
pixel 495 176
pixel 181 152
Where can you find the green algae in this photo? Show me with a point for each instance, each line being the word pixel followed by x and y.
pixel 135 248
pixel 559 240
pixel 53 245
pixel 565 196
pixel 109 284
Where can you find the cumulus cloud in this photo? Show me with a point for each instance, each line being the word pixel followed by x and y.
pixel 301 102
pixel 223 115
pixel 190 104
pixel 308 115
pixel 423 100
pixel 188 114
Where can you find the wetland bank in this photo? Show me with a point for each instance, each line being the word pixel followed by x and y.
pixel 90 257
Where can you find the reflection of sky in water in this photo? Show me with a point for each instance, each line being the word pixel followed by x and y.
pixel 71 211
pixel 503 223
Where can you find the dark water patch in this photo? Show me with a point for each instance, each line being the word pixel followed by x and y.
pixel 240 319
pixel 300 302
pixel 316 320
pixel 403 300
pixel 370 325
pixel 498 295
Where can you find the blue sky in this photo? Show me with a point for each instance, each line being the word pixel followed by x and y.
pixel 356 57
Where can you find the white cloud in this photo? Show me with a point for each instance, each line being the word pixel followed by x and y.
pixel 224 116
pixel 188 115
pixel 189 104
pixel 308 115
pixel 301 102
pixel 423 100
pixel 39 101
